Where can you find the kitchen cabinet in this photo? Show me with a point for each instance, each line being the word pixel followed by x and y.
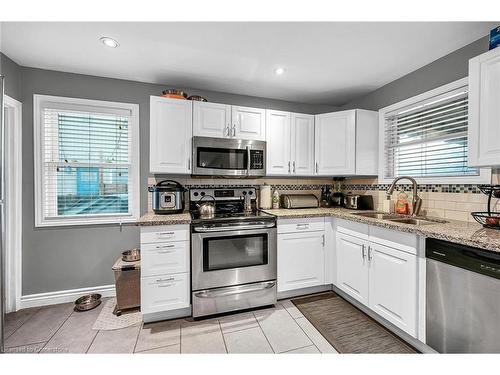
pixel 378 268
pixel 352 275
pixel 212 120
pixel 290 143
pixel 248 123
pixel 346 143
pixel 301 260
pixel 165 272
pixel 393 286
pixel 484 110
pixel 170 131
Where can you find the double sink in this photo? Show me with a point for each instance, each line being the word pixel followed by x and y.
pixel 402 219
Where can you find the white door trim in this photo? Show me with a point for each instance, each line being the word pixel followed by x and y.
pixel 13 204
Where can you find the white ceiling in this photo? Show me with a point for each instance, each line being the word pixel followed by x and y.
pixel 327 63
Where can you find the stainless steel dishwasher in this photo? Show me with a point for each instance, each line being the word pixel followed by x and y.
pixel 462 298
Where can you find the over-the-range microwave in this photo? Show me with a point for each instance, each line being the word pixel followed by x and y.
pixel 228 157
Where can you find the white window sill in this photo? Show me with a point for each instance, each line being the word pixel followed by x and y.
pixel 47 223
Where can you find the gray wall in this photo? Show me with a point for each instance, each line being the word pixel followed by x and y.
pixel 440 72
pixel 69 258
pixel 12 73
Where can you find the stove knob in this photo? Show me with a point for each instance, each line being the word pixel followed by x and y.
pixel 250 192
pixel 195 194
pixel 244 193
pixel 202 193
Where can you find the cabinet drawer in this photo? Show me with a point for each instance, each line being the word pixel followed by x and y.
pixel 164 233
pixel 165 258
pixel 164 293
pixel 301 225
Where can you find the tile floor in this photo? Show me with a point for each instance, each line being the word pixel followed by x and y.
pixel 58 329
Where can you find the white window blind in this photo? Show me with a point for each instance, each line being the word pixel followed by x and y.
pixel 429 138
pixel 86 166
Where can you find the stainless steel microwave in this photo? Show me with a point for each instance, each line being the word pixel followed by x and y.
pixel 228 157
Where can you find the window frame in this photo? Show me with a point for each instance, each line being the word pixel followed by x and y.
pixel 484 176
pixel 40 102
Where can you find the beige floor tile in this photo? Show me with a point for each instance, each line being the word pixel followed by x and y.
pixel 41 326
pixel 75 335
pixel 16 319
pixel 157 335
pixel 202 337
pixel 250 340
pixel 317 338
pixel 281 330
pixel 237 322
pixel 292 309
pixel 305 350
pixel 171 349
pixel 117 341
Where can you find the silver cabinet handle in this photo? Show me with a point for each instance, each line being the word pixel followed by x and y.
pixel 370 255
pixel 164 246
pixel 294 166
pixel 227 131
pixel 162 234
pixel 363 252
pixel 289 171
pixel 189 164
pixel 316 167
pixel 302 226
pixel 166 252
pixel 165 280
pixel 234 130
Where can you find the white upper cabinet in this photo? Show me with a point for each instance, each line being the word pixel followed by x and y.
pixel 335 141
pixel 170 135
pixel 484 110
pixel 346 143
pixel 290 143
pixel 302 144
pixel 278 132
pixel 212 120
pixel 248 123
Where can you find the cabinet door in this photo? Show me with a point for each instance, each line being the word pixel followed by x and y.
pixel 352 263
pixel 301 260
pixel 484 110
pixel 278 160
pixel 249 123
pixel 211 120
pixel 170 135
pixel 335 143
pixel 164 293
pixel 302 149
pixel 393 286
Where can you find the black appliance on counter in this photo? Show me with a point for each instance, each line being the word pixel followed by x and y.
pixel 167 197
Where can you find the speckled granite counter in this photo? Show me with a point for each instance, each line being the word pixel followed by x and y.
pixel 471 234
pixel 151 218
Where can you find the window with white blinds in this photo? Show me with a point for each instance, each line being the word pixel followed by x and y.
pixel 87 164
pixel 428 138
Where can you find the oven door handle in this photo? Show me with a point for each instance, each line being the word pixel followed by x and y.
pixel 248 161
pixel 203 229
pixel 239 290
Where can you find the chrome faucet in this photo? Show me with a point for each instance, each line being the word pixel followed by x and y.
pixel 416 201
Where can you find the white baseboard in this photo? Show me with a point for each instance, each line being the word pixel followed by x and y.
pixel 63 296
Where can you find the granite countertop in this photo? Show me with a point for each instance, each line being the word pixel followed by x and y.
pixel 470 234
pixel 151 218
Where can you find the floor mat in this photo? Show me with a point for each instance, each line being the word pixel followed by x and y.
pixel 348 329
pixel 107 321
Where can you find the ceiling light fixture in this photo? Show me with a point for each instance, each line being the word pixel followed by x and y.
pixel 109 42
pixel 279 71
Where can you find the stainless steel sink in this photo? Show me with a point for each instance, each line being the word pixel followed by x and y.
pixel 418 220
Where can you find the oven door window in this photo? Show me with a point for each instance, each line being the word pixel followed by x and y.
pixel 221 158
pixel 228 252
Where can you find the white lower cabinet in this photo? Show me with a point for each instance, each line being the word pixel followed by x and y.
pixel 165 272
pixel 352 275
pixel 393 286
pixel 381 277
pixel 301 260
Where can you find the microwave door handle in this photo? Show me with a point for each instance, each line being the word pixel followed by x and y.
pixel 248 160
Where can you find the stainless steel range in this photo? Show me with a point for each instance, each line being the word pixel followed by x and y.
pixel 233 252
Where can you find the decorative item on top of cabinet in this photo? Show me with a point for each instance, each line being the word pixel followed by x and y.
pixel 484 110
pixel 290 143
pixel 346 143
pixel 171 126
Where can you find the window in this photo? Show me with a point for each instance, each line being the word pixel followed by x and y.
pixel 426 137
pixel 86 161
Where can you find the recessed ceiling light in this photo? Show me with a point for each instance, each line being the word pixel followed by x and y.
pixel 109 42
pixel 279 71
